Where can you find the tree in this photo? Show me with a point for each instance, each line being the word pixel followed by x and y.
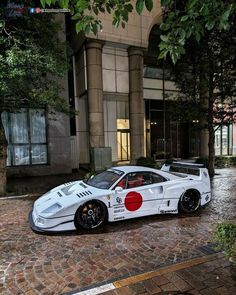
pixel 23 44
pixel 183 19
pixel 31 55
pixel 206 77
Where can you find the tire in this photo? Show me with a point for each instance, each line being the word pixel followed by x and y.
pixel 91 214
pixel 189 201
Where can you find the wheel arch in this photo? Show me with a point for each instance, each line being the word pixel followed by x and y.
pixel 95 200
pixel 190 189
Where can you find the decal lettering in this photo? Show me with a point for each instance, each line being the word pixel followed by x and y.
pixel 119 210
pixel 118 218
pixel 118 206
pixel 133 201
pixel 168 211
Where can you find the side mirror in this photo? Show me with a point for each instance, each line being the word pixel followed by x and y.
pixel 118 189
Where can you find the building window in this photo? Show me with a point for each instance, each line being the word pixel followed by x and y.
pixel 223 141
pixel 27 137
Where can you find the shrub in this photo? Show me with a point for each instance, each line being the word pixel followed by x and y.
pixel 146 162
pixel 152 163
pixel 220 161
pixel 225 236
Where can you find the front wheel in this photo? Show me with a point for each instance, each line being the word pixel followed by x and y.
pixel 189 201
pixel 91 214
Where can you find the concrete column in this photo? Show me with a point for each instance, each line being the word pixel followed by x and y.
pixel 95 93
pixel 136 103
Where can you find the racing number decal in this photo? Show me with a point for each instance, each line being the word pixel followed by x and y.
pixel 133 201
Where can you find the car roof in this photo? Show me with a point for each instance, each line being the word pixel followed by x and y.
pixel 127 169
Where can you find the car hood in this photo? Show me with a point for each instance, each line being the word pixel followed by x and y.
pixel 65 197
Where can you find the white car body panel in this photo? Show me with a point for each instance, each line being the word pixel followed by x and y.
pixel 150 199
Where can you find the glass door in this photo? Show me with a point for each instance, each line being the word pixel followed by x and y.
pixel 123 142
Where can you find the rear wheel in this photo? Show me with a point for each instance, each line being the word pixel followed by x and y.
pixel 91 214
pixel 189 201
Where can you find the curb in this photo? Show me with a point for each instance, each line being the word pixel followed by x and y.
pixel 19 197
pixel 14 197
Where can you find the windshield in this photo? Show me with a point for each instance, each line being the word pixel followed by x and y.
pixel 106 179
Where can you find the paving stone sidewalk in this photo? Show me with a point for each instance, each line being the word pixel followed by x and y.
pixel 211 275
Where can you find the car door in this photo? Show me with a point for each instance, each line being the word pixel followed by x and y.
pixel 141 195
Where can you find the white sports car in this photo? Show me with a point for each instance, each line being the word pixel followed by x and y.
pixel 121 193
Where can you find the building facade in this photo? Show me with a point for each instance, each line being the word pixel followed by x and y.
pixel 123 97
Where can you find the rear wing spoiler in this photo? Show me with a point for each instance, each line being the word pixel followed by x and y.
pixel 189 170
pixel 184 168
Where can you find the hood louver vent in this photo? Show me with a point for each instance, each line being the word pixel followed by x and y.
pixel 84 194
pixel 68 183
pixel 83 185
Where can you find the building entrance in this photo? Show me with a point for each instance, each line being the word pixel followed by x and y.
pixel 123 140
pixel 165 137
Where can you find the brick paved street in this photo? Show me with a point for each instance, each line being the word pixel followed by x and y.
pixel 41 264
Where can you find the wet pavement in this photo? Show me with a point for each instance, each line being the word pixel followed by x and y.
pixel 207 275
pixel 42 264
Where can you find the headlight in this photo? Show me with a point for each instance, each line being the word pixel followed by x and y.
pixel 52 209
pixel 40 220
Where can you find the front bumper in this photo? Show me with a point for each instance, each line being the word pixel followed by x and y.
pixel 65 225
pixel 35 228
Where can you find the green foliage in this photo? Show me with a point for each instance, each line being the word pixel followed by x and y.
pixel 152 163
pixel 225 236
pixel 192 19
pixel 146 162
pixel 139 6
pixel 220 161
pixel 31 58
pixel 89 174
pixel 182 19
pixel 206 77
pixel 163 155
pixel 85 12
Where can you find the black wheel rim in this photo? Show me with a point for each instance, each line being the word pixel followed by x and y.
pixel 190 201
pixel 91 215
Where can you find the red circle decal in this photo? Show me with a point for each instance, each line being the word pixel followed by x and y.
pixel 133 201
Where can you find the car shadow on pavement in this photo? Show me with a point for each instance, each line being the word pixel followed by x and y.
pixel 130 224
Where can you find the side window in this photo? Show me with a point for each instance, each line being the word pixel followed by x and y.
pixel 157 178
pixel 122 183
pixel 137 179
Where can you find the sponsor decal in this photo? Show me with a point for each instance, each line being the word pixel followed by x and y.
pixel 168 211
pixel 119 218
pixel 119 200
pixel 133 201
pixel 108 197
pixel 119 210
pixel 118 206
